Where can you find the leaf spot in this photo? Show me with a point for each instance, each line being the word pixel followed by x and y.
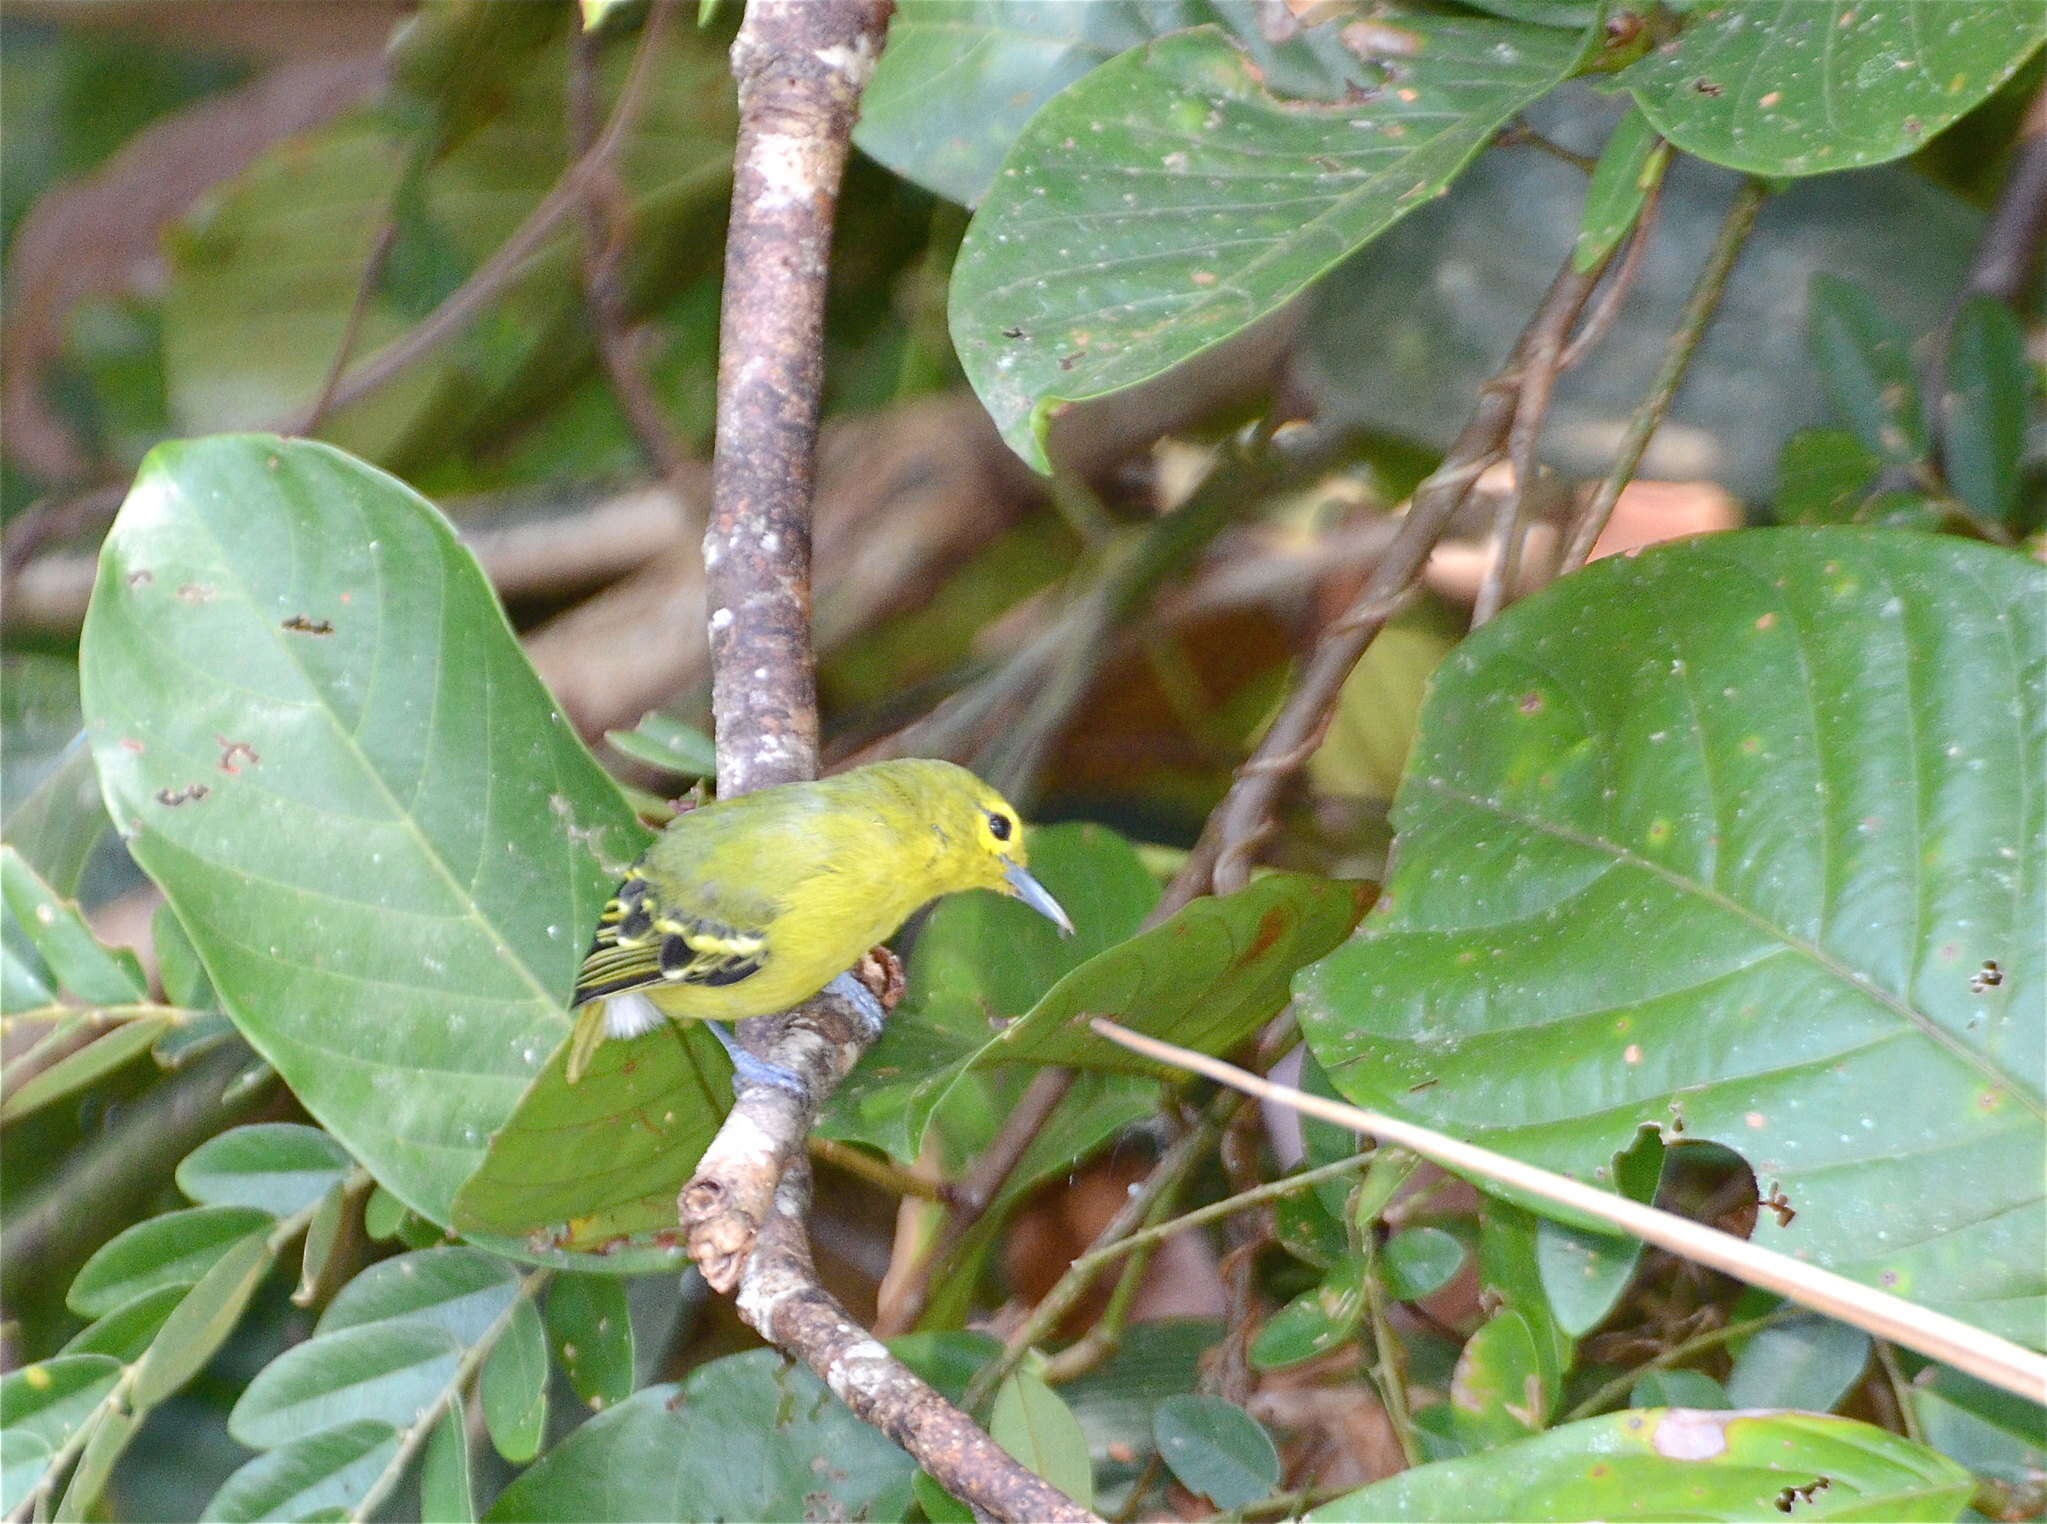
pixel 189 794
pixel 301 625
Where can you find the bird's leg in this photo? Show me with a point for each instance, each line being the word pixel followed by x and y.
pixel 860 998
pixel 746 1069
pixel 873 987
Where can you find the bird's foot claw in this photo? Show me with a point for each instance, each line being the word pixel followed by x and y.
pixel 749 1070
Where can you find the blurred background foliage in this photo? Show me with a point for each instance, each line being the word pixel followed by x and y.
pixel 219 217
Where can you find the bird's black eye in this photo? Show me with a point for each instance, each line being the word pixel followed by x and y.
pixel 999 827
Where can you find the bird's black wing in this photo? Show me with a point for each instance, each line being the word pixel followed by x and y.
pixel 640 947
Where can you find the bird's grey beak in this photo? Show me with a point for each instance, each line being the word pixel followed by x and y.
pixel 1035 895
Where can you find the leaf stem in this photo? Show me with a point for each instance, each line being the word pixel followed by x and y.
pixel 1648 417
pixel 414 1438
pixel 1618 1388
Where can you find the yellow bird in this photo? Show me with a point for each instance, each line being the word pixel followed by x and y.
pixel 754 904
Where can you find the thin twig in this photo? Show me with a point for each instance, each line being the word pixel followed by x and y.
pixel 1173 1165
pixel 1699 308
pixel 1933 1334
pixel 606 214
pixel 1595 328
pixel 365 292
pixel 1618 1387
pixel 1222 859
pixel 505 265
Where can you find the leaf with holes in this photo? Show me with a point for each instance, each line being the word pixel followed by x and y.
pixel 1827 84
pixel 1668 1463
pixel 1172 197
pixel 1741 840
pixel 321 739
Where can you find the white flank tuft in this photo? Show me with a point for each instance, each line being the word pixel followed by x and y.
pixel 630 1015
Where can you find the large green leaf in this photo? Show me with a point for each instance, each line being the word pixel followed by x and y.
pixel 1799 88
pixel 1170 198
pixel 960 78
pixel 390 1371
pixel 1740 840
pixel 322 741
pixel 1664 1463
pixel 747 1437
pixel 589 1165
pixel 174 1249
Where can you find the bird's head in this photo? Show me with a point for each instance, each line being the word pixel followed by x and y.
pixel 981 835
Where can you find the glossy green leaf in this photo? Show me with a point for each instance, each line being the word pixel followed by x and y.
pixel 115 1049
pixel 1677 1463
pixel 1498 1393
pixel 514 1387
pixel 446 1492
pixel 24 1458
pixel 1629 166
pixel 387 1371
pixel 83 965
pixel 1420 1262
pixel 1827 84
pixel 1315 1322
pixel 960 78
pixel 311 1476
pixel 126 1332
pixel 1034 1424
pixel 174 1249
pixel 178 967
pixel 1866 366
pixel 57 825
pixel 1824 476
pixel 1678 1389
pixel 1510 1278
pixel 326 1232
pixel 1308 1230
pixel 980 958
pixel 382 1214
pixel 1674 797
pixel 1807 1362
pixel 1169 199
pixel 669 1452
pixel 585 1166
pixel 1206 978
pixel 668 744
pixel 103 1447
pixel 201 1322
pixel 281 1167
pixel 1985 401
pixel 591 1330
pixel 1217 1449
pixel 1584 1273
pixel 1993 1432
pixel 51 1398
pixel 303 698
pixel 455 1288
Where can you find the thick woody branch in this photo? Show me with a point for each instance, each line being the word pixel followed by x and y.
pixel 782 1299
pixel 801 65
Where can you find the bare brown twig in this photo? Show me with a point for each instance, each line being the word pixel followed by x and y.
pixel 505 265
pixel 606 218
pixel 1222 858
